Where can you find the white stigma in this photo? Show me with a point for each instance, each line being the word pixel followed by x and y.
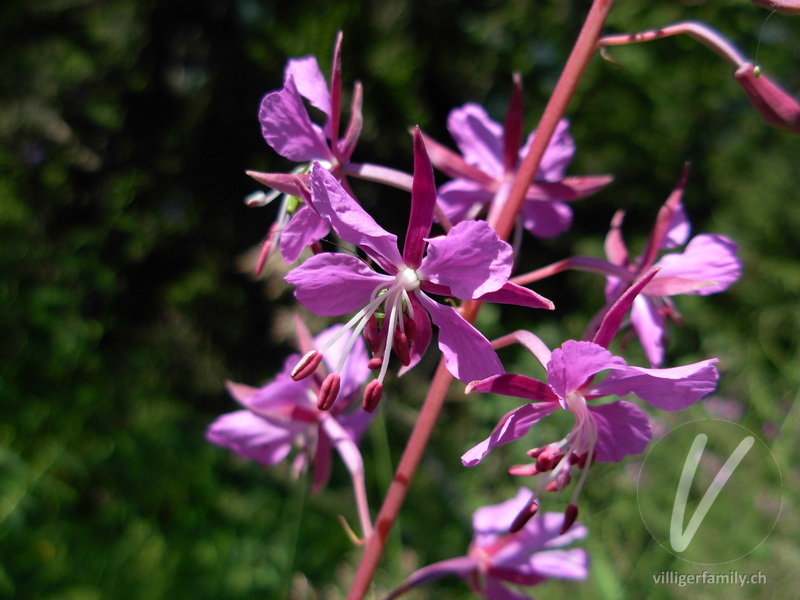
pixel 409 278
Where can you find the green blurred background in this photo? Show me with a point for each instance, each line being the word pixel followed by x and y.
pixel 125 130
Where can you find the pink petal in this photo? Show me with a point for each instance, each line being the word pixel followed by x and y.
pixel 707 258
pixel 287 128
pixel 777 107
pixel 423 202
pixel 511 427
pixel 467 354
pixel 350 221
pixel 458 197
pixel 568 189
pixel 310 82
pixel 497 518
pixel 679 229
pixel 252 437
pixel 546 219
pixel 334 284
pixel 303 229
pixel 622 429
pixel 479 138
pixel 511 293
pixel 649 324
pixel 575 362
pixel 558 154
pixel 666 389
pixel 615 248
pixel 518 386
pixel 471 260
pixel 461 566
pixel 495 590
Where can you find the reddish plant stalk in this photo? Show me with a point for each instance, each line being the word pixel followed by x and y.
pixel 579 58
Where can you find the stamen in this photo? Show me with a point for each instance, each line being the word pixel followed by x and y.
pixel 524 516
pixel 328 391
pixel 306 365
pixel 570 516
pixel 372 395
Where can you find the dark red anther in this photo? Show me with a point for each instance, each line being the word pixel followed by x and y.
pixel 579 460
pixel 328 391
pixel 523 470
pixel 524 516
pixel 401 347
pixel 410 327
pixel 548 459
pixel 372 333
pixel 560 482
pixel 570 515
pixel 375 363
pixel 306 365
pixel 372 395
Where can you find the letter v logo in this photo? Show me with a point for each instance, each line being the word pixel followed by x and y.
pixel 679 538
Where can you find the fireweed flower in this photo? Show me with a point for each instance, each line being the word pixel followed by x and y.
pixel 604 432
pixel 707 265
pixel 490 156
pixel 393 307
pixel 289 130
pixel 284 414
pixel 530 556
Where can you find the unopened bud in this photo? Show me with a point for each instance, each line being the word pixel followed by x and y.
pixel 524 516
pixel 785 7
pixel 306 365
pixel 328 391
pixel 570 515
pixel 372 395
pixel 777 107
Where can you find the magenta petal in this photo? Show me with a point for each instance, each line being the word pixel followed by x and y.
pixel 495 590
pixel 561 564
pixel 423 203
pixel 310 82
pixel 334 284
pixel 479 138
pixel 511 427
pixel 511 293
pixel 649 325
pixel 471 260
pixel 251 436
pixel 568 189
pixel 287 128
pixel 458 197
pixel 546 219
pixel 461 566
pixel 518 386
pixel 497 518
pixel 707 258
pixel 350 221
pixel 303 229
pixel 575 362
pixel 622 429
pixel 467 354
pixel 679 229
pixel 558 154
pixel 666 389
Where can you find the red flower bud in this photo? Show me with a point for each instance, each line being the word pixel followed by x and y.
pixel 776 106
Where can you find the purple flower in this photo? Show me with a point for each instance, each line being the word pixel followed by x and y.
pixel 289 130
pixel 283 414
pixel 485 172
pixel 604 432
pixel 529 556
pixel 393 307
pixel 707 265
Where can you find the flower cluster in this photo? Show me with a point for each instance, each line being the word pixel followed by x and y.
pixel 392 299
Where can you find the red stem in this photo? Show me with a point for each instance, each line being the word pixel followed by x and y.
pixel 579 58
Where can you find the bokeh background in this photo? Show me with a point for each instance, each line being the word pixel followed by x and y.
pixel 125 298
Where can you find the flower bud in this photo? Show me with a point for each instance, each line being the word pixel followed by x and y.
pixel 776 106
pixel 785 7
